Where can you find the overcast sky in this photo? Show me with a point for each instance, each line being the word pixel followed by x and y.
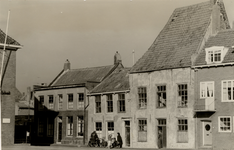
pixel 86 32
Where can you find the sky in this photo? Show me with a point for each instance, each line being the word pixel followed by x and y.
pixel 86 32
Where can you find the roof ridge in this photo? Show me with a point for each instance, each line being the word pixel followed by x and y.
pixel 91 67
pixel 201 3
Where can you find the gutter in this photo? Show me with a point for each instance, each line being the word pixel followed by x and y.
pixel 213 65
pixel 112 92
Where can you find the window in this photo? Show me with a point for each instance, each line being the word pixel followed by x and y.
pixel 225 124
pixel 142 130
pixel 162 96
pixel 109 102
pixel 215 54
pixel 41 102
pixel 99 129
pixel 142 95
pixel 81 101
pixel 121 103
pixel 206 89
pixel 50 127
pixel 228 91
pixel 183 95
pixel 60 101
pixel 98 103
pixel 40 126
pixel 110 128
pixel 182 131
pixel 51 102
pixel 70 101
pixel 80 126
pixel 69 126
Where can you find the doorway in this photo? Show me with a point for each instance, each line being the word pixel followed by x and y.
pixel 207 133
pixel 162 133
pixel 59 129
pixel 127 133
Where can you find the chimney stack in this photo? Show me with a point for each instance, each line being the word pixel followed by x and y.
pixel 215 22
pixel 67 65
pixel 117 58
pixel 233 25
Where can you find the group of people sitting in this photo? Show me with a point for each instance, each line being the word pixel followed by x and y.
pixel 112 142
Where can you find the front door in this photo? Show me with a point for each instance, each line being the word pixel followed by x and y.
pixel 127 133
pixel 207 133
pixel 162 133
pixel 59 129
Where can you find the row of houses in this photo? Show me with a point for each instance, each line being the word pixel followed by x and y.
pixel 181 89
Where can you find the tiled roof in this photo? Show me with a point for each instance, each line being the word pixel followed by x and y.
pixel 83 75
pixel 118 81
pixel 9 39
pixel 223 38
pixel 179 39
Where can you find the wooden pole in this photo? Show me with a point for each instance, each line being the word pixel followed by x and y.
pixel 2 65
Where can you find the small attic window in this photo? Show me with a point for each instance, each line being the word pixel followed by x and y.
pixel 215 54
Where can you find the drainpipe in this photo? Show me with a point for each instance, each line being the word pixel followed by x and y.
pixel 85 91
pixel 196 90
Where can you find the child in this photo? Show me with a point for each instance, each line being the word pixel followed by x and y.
pixel 109 141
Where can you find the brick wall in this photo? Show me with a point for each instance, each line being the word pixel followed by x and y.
pixel 8 101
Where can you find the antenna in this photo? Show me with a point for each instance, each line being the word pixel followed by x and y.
pixel 133 57
pixel 2 65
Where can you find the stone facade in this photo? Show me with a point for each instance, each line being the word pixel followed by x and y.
pixel 171 113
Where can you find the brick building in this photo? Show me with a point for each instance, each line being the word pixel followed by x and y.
pixel 60 108
pixel 9 90
pixel 110 107
pixel 162 82
pixel 214 91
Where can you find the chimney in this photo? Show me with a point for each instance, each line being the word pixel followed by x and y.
pixel 233 25
pixel 213 2
pixel 215 21
pixel 117 58
pixel 67 65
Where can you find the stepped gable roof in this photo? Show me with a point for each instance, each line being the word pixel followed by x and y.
pixel 83 75
pixel 222 38
pixel 178 40
pixel 10 40
pixel 117 81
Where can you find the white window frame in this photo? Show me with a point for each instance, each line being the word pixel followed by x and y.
pixel 99 132
pixel 231 124
pixel 214 50
pixel 110 131
pixel 50 128
pixel 95 104
pixel 70 103
pixel 109 100
pixel 205 94
pixel 142 97
pixel 79 124
pixel 232 90
pixel 51 105
pixel 80 104
pixel 60 101
pixel 40 104
pixel 67 127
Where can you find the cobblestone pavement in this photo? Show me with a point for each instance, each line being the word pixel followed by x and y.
pixel 29 147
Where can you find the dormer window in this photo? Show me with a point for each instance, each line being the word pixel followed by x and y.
pixel 215 54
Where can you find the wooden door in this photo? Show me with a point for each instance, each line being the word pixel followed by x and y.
pixel 127 133
pixel 207 133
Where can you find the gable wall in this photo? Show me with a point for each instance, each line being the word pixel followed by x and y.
pixel 171 113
